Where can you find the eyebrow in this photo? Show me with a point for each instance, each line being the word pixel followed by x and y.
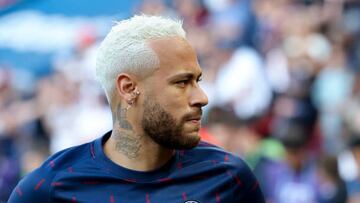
pixel 184 76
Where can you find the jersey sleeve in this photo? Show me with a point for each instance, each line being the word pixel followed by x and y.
pixel 35 187
pixel 250 191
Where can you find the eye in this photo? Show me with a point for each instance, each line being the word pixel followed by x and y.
pixel 182 83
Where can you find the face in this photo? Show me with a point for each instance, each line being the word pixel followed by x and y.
pixel 173 98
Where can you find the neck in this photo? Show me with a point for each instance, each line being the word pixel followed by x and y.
pixel 135 151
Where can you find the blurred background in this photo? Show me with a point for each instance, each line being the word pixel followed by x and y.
pixel 282 77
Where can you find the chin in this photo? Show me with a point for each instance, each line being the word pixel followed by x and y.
pixel 191 132
pixel 194 134
pixel 191 129
pixel 191 140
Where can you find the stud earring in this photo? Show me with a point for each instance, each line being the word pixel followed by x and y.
pixel 135 94
pixel 130 103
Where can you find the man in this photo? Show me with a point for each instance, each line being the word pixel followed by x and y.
pixel 150 75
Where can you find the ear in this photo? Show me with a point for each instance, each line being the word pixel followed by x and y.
pixel 125 87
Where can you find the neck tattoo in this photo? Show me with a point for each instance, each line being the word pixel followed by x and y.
pixel 121 117
pixel 127 142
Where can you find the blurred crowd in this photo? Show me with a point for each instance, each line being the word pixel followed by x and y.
pixel 283 81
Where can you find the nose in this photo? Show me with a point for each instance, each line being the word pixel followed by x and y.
pixel 198 97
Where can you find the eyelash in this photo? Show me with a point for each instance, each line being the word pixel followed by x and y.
pixel 187 81
pixel 182 82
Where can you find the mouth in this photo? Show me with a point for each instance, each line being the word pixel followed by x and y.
pixel 193 117
pixel 194 120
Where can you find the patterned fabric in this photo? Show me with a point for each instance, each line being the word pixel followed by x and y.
pixel 204 174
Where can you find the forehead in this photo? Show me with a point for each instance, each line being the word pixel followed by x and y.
pixel 176 56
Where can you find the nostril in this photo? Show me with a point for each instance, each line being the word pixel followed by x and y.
pixel 198 97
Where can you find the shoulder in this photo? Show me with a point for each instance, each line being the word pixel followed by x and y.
pixel 69 157
pixel 211 157
pixel 37 185
pixel 206 152
pixel 34 187
pixel 246 184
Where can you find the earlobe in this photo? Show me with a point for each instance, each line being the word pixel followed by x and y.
pixel 132 100
pixel 134 96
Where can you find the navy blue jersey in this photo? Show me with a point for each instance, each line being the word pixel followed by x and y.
pixel 84 173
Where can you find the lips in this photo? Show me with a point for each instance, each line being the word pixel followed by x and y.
pixel 195 121
pixel 194 116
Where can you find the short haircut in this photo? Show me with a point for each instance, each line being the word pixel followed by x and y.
pixel 126 49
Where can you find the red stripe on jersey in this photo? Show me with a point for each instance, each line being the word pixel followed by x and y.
pixel 73 199
pixel 226 158
pixel 165 180
pixel 147 198
pixel 184 196
pixel 52 164
pixel 112 200
pixel 217 197
pixel 18 190
pixel 39 184
pixel 56 183
pixel 130 180
pixel 237 180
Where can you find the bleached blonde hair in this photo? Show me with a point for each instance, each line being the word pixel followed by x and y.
pixel 126 49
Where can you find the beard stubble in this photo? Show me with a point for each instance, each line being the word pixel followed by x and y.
pixel 164 129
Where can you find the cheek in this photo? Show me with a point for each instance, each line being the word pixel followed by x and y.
pixel 175 106
pixel 173 100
